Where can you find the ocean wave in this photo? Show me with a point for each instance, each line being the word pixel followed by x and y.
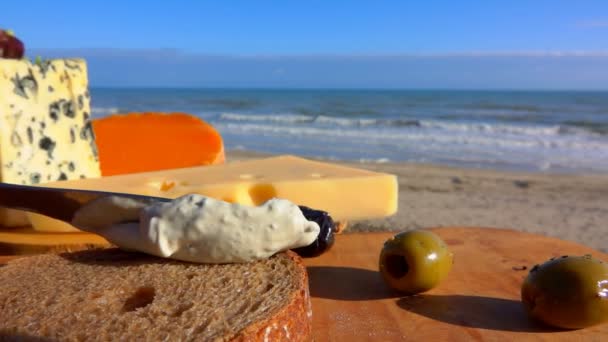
pixel 362 122
pixel 376 160
pixel 226 104
pixel 421 137
pixel 344 122
pixel 501 117
pixel 544 153
pixel 577 125
pixel 316 119
pixel 270 118
pixel 544 131
pixel 506 107
pixel 491 128
pixel 566 128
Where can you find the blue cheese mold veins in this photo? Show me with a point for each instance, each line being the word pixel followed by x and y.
pixel 45 125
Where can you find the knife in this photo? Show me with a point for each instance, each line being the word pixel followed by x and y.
pixel 58 203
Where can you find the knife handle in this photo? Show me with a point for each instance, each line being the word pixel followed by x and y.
pixel 57 203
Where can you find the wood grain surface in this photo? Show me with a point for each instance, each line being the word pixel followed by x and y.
pixel 479 300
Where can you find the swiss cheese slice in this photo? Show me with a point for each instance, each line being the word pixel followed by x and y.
pixel 347 193
pixel 19 241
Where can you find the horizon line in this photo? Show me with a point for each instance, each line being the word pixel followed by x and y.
pixel 472 53
pixel 487 89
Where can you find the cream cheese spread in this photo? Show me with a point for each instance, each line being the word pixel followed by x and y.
pixel 199 229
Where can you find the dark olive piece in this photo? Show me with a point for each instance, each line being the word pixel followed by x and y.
pixel 415 261
pixel 569 292
pixel 326 235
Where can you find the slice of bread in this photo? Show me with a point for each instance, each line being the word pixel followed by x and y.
pixel 109 294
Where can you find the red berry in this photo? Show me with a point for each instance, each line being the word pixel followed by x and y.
pixel 10 46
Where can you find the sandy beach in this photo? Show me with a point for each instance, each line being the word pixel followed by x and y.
pixel 567 206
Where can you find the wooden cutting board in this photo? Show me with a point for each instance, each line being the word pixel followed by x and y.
pixel 478 301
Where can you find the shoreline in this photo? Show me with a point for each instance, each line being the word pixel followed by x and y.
pixel 567 206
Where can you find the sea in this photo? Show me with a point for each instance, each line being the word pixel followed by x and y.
pixel 538 131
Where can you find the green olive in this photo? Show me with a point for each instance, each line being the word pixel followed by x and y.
pixel 568 292
pixel 415 261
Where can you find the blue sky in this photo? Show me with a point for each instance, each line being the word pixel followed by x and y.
pixel 339 43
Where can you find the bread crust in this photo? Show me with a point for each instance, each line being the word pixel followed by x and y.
pixel 293 322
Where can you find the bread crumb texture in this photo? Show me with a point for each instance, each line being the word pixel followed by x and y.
pixel 112 295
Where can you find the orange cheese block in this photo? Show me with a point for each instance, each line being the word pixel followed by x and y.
pixel 139 142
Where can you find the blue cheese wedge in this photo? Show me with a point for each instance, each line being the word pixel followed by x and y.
pixel 45 126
